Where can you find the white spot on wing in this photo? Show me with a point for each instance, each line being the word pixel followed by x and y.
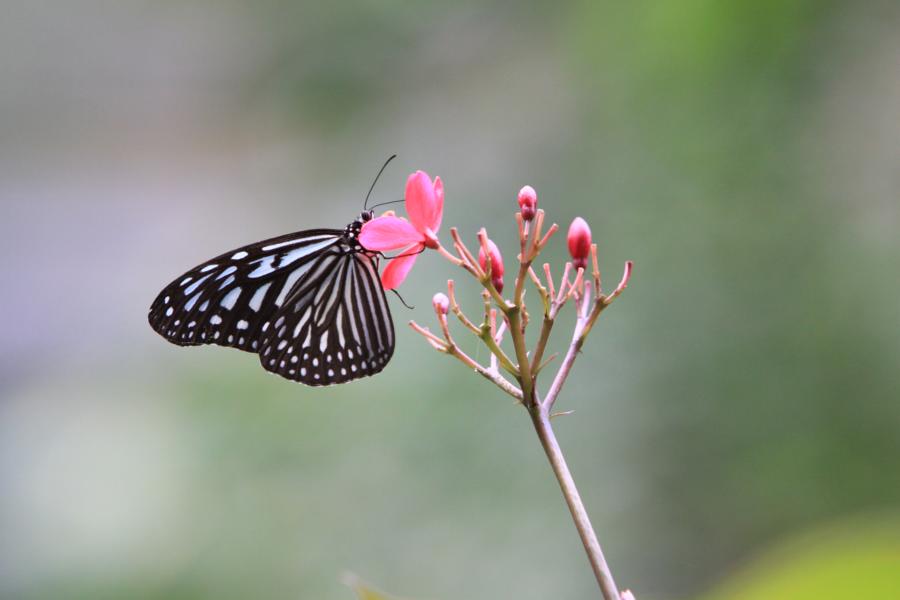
pixel 242 324
pixel 230 298
pixel 239 255
pixel 264 268
pixel 266 264
pixel 190 303
pixel 291 280
pixel 226 272
pixel 258 295
pixel 298 241
pixel 227 282
pixel 215 319
pixel 191 288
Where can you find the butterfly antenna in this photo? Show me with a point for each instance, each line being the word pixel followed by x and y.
pixel 380 171
pixel 388 202
pixel 402 300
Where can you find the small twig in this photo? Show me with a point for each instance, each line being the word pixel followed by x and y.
pixel 626 276
pixel 597 289
pixel 549 360
pixel 560 296
pixel 562 413
pixel 454 306
pixel 467 257
pixel 432 339
pixel 566 365
pixel 455 351
pixel 548 235
pixel 550 287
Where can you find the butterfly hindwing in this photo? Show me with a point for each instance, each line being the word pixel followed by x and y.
pixel 335 325
pixel 227 299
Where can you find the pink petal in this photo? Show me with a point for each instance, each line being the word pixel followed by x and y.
pixel 439 203
pixel 398 268
pixel 388 233
pixel 424 201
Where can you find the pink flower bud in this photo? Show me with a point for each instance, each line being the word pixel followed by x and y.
pixel 579 242
pixel 528 202
pixel 626 595
pixel 441 303
pixel 498 283
pixel 496 264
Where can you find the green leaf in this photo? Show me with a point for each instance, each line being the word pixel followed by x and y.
pixel 857 559
pixel 363 590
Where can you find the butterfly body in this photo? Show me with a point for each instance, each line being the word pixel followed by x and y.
pixel 309 303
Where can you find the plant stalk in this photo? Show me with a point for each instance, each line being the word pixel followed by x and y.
pixel 541 419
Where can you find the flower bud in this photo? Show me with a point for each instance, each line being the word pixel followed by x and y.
pixel 579 242
pixel 441 303
pixel 626 595
pixel 528 202
pixel 496 264
pixel 498 283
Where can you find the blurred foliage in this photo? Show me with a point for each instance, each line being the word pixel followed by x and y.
pixel 773 392
pixel 363 590
pixel 851 560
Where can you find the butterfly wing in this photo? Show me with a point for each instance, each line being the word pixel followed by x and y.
pixel 335 325
pixel 228 299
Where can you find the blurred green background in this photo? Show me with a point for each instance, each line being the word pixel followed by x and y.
pixel 744 391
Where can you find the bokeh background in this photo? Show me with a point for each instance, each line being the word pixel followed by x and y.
pixel 738 410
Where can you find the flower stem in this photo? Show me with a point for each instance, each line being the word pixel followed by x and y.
pixel 541 419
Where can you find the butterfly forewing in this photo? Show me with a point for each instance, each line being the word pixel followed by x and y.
pixel 226 300
pixel 335 325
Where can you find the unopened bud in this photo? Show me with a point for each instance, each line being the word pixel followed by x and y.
pixel 441 303
pixel 498 283
pixel 579 242
pixel 528 202
pixel 496 264
pixel 626 595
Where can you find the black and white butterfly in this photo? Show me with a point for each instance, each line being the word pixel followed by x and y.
pixel 310 303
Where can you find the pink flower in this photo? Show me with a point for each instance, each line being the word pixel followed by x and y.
pixel 579 242
pixel 425 207
pixel 496 264
pixel 528 202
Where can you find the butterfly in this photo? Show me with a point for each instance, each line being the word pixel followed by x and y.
pixel 310 304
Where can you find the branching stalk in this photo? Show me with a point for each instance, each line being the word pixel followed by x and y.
pixel 523 365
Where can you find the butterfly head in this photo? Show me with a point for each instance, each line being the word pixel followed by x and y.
pixel 352 230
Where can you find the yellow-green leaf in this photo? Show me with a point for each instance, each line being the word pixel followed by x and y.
pixel 856 559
